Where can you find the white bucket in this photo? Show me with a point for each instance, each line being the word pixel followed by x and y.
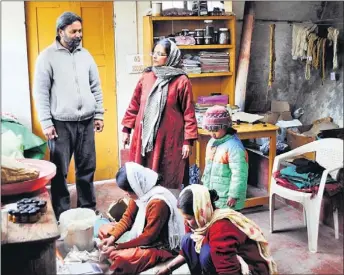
pixel 76 228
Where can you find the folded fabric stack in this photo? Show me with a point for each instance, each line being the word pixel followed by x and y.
pixel 302 175
pixel 191 64
pixel 305 177
pixel 332 189
pixel 212 62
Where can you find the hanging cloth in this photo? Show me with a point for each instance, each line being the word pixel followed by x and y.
pixel 295 40
pixel 322 59
pixel 316 59
pixel 333 37
pixel 299 39
pixel 303 41
pixel 312 37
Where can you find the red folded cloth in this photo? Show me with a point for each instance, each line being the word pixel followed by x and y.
pixel 330 188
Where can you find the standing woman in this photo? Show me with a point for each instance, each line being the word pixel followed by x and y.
pixel 162 114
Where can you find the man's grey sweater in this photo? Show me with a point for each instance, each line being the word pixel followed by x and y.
pixel 67 86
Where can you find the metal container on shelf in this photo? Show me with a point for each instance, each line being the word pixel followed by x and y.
pixel 209 28
pixel 199 40
pixel 216 37
pixel 192 34
pixel 224 36
pixel 185 32
pixel 199 32
pixel 208 40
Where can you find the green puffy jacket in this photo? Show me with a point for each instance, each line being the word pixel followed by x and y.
pixel 226 170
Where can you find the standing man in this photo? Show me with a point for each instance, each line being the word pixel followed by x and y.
pixel 69 103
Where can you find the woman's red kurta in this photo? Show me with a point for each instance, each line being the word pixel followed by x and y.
pixel 178 124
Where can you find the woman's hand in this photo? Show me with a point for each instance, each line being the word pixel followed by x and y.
pixel 125 139
pixel 164 271
pixel 106 243
pixel 108 250
pixel 173 265
pixel 186 151
pixel 105 229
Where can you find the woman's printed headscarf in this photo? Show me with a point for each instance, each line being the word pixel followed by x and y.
pixel 206 216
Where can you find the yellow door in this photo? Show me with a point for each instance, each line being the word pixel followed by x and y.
pixel 98 39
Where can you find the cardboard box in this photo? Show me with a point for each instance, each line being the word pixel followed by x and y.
pixel 279 106
pixel 295 140
pixel 270 117
pixel 285 116
pixel 280 110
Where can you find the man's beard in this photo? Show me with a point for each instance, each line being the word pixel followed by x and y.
pixel 72 43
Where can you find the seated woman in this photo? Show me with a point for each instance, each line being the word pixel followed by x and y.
pixel 152 219
pixel 220 241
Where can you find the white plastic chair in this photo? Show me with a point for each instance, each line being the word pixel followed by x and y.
pixel 329 154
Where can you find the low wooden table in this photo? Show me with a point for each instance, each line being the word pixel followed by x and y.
pixel 245 131
pixel 30 248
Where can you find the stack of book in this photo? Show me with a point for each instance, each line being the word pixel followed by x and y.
pixel 212 62
pixel 191 66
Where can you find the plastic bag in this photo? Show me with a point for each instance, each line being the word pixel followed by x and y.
pixel 33 146
pixel 194 174
pixel 12 145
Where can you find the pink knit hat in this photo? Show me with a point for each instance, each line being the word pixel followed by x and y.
pixel 216 118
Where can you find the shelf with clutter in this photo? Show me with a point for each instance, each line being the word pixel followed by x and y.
pixel 208 47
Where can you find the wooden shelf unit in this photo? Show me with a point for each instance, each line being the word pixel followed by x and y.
pixel 210 74
pixel 204 47
pixel 205 83
pixel 191 18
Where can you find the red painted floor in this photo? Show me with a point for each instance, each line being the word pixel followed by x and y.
pixel 288 245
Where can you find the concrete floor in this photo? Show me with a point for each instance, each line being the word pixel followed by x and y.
pixel 289 244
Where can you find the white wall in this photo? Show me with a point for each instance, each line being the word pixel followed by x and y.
pixel 15 93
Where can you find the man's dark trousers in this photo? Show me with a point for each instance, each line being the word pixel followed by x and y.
pixel 74 137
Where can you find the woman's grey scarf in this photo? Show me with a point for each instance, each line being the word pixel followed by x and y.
pixel 157 98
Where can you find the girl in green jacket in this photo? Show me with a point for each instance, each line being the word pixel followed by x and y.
pixel 226 161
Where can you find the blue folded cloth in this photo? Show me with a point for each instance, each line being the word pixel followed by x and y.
pixel 302 180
